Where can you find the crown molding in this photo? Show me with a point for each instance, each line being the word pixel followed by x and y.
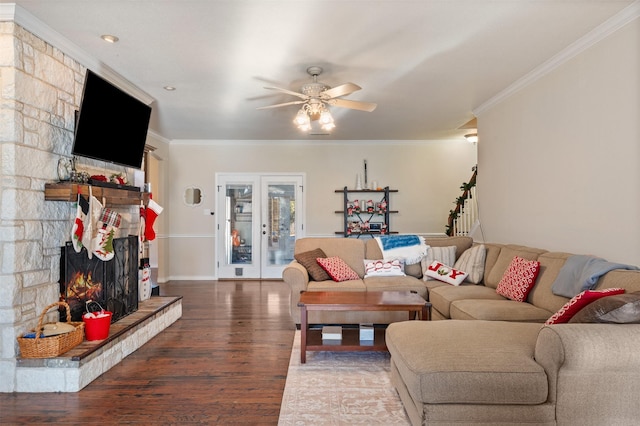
pixel 332 142
pixel 596 35
pixel 15 13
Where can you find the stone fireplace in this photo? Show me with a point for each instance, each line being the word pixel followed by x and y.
pixel 40 90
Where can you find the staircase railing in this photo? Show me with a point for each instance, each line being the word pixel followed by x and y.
pixel 464 216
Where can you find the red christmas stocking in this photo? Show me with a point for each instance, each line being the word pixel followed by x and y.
pixel 143 224
pixel 153 210
pixel 78 225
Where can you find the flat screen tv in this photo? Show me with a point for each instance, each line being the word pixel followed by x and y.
pixel 111 125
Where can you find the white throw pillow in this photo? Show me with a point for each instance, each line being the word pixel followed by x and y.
pixel 445 273
pixel 446 255
pixel 384 268
pixel 472 261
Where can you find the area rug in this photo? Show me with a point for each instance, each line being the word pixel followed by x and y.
pixel 340 388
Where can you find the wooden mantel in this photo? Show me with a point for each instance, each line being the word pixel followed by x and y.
pixel 68 191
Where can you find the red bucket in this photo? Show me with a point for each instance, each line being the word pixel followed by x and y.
pixel 97 328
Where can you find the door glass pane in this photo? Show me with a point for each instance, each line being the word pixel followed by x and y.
pixel 239 209
pixel 281 223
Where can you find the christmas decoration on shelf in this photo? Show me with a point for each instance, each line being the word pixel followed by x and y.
pixel 119 178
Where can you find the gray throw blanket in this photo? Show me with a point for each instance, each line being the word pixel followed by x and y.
pixel 581 272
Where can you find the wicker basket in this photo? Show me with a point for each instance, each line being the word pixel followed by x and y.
pixel 52 346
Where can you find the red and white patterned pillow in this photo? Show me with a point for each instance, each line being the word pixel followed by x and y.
pixel 384 268
pixel 337 269
pixel 518 279
pixel 578 302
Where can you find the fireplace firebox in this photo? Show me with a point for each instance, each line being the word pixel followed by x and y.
pixel 113 283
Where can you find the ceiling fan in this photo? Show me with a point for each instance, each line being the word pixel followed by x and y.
pixel 314 98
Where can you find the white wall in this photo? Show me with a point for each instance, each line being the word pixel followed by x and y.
pixel 427 174
pixel 559 161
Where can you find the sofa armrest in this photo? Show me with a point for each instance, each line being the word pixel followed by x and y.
pixel 296 276
pixel 593 371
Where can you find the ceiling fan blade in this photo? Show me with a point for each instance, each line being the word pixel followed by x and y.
pixel 281 105
pixel 345 103
pixel 342 90
pixel 289 92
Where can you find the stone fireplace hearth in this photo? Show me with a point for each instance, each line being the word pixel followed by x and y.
pixel 72 371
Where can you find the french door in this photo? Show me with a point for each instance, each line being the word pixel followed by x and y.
pixel 259 218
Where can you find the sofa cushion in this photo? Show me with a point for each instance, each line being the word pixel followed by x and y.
pixel 351 250
pixel 445 255
pixel 337 269
pixel 384 268
pixel 518 279
pixel 617 309
pixel 442 296
pixel 460 242
pixel 468 362
pixel 629 280
pixel 472 262
pixel 439 271
pixel 308 260
pixel 495 269
pixel 579 301
pixel 541 295
pixel 330 285
pixel 406 283
pixel 497 310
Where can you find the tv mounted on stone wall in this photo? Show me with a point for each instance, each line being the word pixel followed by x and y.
pixel 111 125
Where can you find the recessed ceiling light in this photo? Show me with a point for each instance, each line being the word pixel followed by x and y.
pixel 109 38
pixel 169 88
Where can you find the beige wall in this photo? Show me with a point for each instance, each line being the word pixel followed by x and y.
pixel 559 160
pixel 427 175
pixel 157 175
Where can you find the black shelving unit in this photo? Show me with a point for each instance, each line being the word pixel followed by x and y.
pixel 370 219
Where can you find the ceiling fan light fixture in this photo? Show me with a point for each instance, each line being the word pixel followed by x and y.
pixel 325 117
pixel 326 121
pixel 315 98
pixel 328 126
pixel 302 120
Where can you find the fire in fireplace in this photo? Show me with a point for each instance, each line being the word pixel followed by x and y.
pixel 113 283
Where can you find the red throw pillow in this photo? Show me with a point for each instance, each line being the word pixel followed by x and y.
pixel 518 279
pixel 337 269
pixel 578 302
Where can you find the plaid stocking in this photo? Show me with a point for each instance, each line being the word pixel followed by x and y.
pixel 103 242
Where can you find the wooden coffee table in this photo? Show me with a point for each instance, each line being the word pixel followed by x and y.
pixel 311 340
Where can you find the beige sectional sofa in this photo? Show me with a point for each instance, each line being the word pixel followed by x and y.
pixel 354 252
pixel 491 360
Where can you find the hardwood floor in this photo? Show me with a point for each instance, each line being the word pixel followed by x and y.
pixel 224 362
